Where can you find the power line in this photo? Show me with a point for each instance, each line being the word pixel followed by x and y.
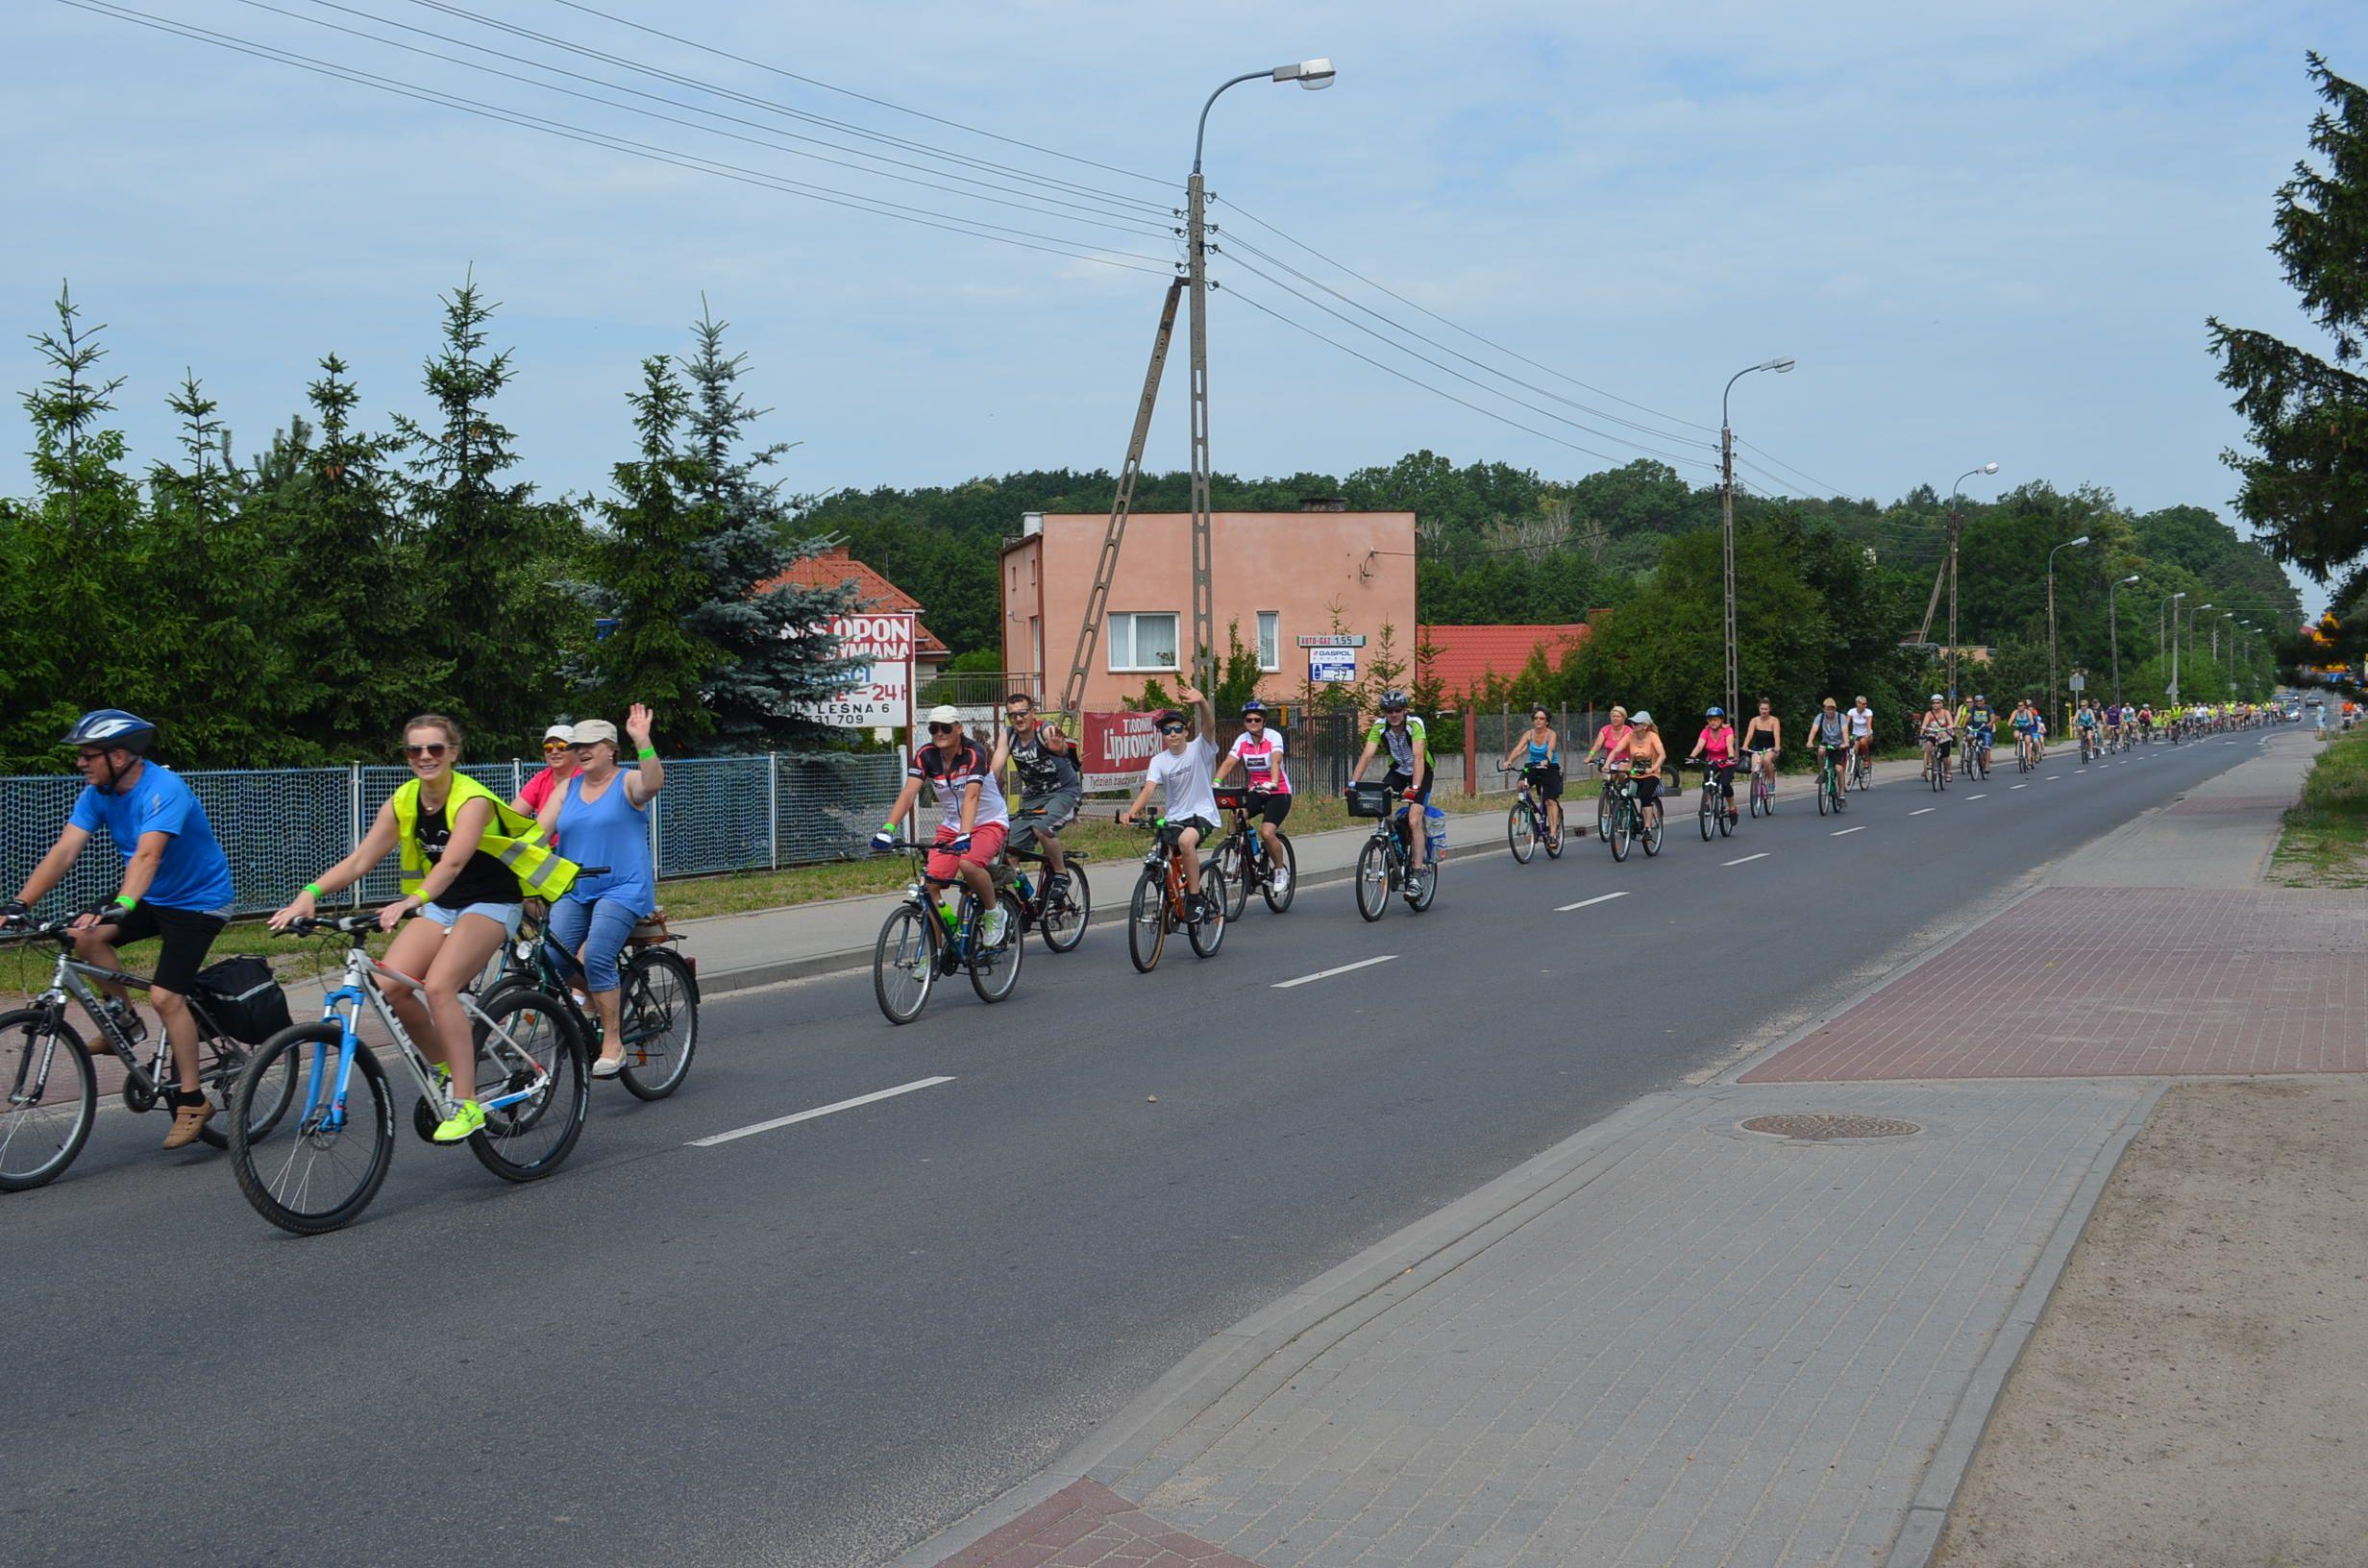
pixel 1829 489
pixel 926 217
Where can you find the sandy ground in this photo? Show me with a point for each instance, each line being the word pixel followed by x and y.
pixel 2195 1395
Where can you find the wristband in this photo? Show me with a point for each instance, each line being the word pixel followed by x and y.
pixel 127 902
pixel 647 752
pixel 314 888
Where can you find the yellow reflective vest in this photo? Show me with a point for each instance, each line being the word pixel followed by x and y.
pixel 513 838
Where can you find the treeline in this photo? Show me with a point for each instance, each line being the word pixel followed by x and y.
pixel 295 606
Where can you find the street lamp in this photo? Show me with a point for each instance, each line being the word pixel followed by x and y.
pixel 2171 604
pixel 1780 366
pixel 1314 75
pixel 1956 521
pixel 2112 619
pixel 2051 621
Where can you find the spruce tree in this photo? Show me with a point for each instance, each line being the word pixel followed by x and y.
pixel 646 574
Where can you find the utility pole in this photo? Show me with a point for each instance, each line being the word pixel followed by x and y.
pixel 1726 526
pixel 2053 715
pixel 1204 614
pixel 2113 616
pixel 2175 598
pixel 1956 521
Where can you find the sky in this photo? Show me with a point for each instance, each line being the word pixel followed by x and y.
pixel 1984 233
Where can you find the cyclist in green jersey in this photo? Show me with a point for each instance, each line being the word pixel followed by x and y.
pixel 1409 746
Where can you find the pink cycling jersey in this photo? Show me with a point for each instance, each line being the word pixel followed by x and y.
pixel 1718 745
pixel 1262 762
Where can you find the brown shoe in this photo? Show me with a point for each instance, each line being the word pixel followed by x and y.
pixel 189 1121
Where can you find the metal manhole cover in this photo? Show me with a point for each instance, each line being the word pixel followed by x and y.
pixel 1819 1127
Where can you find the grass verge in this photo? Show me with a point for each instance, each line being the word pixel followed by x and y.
pixel 2325 843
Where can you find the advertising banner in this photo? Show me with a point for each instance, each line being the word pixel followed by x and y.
pixel 1114 747
pixel 1333 666
pixel 881 696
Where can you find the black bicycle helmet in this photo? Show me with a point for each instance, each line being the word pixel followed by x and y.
pixel 1393 700
pixel 112 729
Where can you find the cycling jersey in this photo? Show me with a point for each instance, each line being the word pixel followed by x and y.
pixel 1718 746
pixel 1403 745
pixel 1262 762
pixel 193 874
pixel 950 775
pixel 1042 769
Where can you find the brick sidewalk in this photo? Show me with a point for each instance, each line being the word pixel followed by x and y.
pixel 1086 1525
pixel 2093 982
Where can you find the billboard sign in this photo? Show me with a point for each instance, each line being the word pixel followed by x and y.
pixel 1336 666
pixel 881 694
pixel 1115 749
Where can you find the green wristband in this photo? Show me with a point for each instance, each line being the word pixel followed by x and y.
pixel 647 752
pixel 127 901
pixel 314 888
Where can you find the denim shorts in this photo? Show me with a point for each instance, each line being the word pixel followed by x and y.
pixel 507 914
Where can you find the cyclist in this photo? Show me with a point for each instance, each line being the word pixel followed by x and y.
pixel 1045 762
pixel 1981 728
pixel 468 863
pixel 558 767
pixel 1409 774
pixel 605 819
pixel 1606 742
pixel 1938 733
pixel 972 820
pixel 2024 720
pixel 1644 754
pixel 176 887
pixel 1542 752
pixel 1829 737
pixel 1863 733
pixel 2085 724
pixel 1182 771
pixel 1258 750
pixel 1763 738
pixel 1717 748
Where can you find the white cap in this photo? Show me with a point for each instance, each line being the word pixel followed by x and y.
pixel 588 730
pixel 559 732
pixel 1639 717
pixel 944 713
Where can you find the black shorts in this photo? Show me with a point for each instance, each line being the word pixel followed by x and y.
pixel 1266 806
pixel 1547 781
pixel 1648 788
pixel 187 933
pixel 1400 784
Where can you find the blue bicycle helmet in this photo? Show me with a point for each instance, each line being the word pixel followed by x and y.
pixel 1253 706
pixel 112 729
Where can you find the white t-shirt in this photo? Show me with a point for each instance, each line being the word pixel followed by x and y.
pixel 1184 776
pixel 1861 723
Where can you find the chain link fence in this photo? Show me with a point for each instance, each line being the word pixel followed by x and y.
pixel 281 826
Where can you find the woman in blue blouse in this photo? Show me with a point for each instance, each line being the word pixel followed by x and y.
pixel 603 816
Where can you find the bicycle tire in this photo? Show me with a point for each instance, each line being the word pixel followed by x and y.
pixel 1146 921
pixel 1374 880
pixel 671 1006
pixel 293 1168
pixel 1064 924
pixel 995 971
pixel 1234 862
pixel 219 1063
pixel 1207 934
pixel 1278 902
pixel 55 1138
pixel 1650 825
pixel 906 947
pixel 1621 833
pixel 1825 792
pixel 1726 818
pixel 1520 833
pixel 1420 902
pixel 568 1092
pixel 1704 812
pixel 1552 838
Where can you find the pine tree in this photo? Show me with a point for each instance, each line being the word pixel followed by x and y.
pixel 646 567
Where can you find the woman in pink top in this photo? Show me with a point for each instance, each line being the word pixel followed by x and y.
pixel 1258 752
pixel 1717 746
pixel 1607 741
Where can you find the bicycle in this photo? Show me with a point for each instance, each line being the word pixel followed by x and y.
pixel 1936 765
pixel 2026 753
pixel 1977 754
pixel 2087 747
pixel 1245 863
pixel 1159 906
pixel 1831 796
pixel 324 1176
pixel 657 1000
pixel 1384 866
pixel 1060 913
pixel 1715 808
pixel 915 947
pixel 1630 821
pixel 1762 791
pixel 52 1082
pixel 1862 778
pixel 1527 824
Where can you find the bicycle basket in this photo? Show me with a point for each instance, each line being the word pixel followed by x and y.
pixel 243 998
pixel 1367 800
pixel 1228 800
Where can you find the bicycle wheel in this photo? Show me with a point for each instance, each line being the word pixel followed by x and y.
pixel 1603 815
pixel 1146 921
pixel 1649 824
pixel 1065 915
pixel 1943 774
pixel 324 1174
pixel 1207 934
pixel 1420 899
pixel 1373 879
pixel 1825 792
pixel 905 962
pixel 53 1097
pixel 1231 861
pixel 1520 833
pixel 1552 838
pixel 995 971
pixel 526 1041
pixel 219 1063
pixel 657 1013
pixel 1622 831
pixel 1726 818
pixel 1704 812
pixel 1281 902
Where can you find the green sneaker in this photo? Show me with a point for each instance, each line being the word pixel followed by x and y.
pixel 462 1124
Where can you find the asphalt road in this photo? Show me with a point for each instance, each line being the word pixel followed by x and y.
pixel 818 1343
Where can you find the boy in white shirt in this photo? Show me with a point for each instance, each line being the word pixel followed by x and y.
pixel 1182 770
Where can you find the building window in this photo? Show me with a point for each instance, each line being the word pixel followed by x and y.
pixel 1143 640
pixel 1270 639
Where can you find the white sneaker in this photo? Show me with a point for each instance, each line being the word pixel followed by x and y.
pixel 991 927
pixel 1281 880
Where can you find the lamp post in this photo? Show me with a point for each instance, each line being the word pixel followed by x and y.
pixel 2113 620
pixel 1312 75
pixel 1956 527
pixel 2172 604
pixel 2191 614
pixel 2052 711
pixel 1726 501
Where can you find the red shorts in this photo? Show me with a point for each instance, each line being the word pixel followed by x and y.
pixel 986 843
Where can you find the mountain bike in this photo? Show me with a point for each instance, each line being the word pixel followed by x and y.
pixel 1159 904
pixel 2088 748
pixel 1831 798
pixel 1060 910
pixel 1715 808
pixel 1527 821
pixel 1862 777
pixel 532 1083
pixel 1242 859
pixel 2026 753
pixel 657 1002
pixel 1630 822
pixel 1384 866
pixel 1977 754
pixel 1762 791
pixel 53 1085
pixel 919 944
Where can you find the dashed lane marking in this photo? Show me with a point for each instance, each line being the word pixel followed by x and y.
pixel 1839 831
pixel 1921 810
pixel 1326 974
pixel 819 1111
pixel 1983 796
pixel 1748 859
pixel 1599 899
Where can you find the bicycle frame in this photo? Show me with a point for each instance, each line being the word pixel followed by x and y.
pixel 68 981
pixel 365 978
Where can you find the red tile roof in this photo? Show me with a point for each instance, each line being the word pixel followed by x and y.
pixel 834 567
pixel 1462 657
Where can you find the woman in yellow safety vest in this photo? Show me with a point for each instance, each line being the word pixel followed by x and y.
pixel 468 860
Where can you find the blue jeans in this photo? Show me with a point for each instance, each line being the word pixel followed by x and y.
pixel 596 930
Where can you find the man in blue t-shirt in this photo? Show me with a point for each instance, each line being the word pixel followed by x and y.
pixel 176 887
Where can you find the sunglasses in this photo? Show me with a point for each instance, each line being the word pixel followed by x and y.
pixel 942 729
pixel 1172 729
pixel 433 748
pixel 1253 717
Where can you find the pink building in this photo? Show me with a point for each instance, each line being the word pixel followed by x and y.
pixel 1281 574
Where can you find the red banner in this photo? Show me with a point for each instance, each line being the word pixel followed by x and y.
pixel 1115 749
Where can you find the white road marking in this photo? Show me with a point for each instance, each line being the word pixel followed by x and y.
pixel 1326 974
pixel 817 1111
pixel 1921 811
pixel 1599 899
pixel 2053 777
pixel 2018 786
pixel 1748 859
pixel 1839 831
pixel 1983 796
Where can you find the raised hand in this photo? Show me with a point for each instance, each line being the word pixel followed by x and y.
pixel 637 722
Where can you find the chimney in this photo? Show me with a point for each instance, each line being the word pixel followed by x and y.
pixel 1323 503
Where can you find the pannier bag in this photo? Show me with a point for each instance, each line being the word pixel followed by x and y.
pixel 243 998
